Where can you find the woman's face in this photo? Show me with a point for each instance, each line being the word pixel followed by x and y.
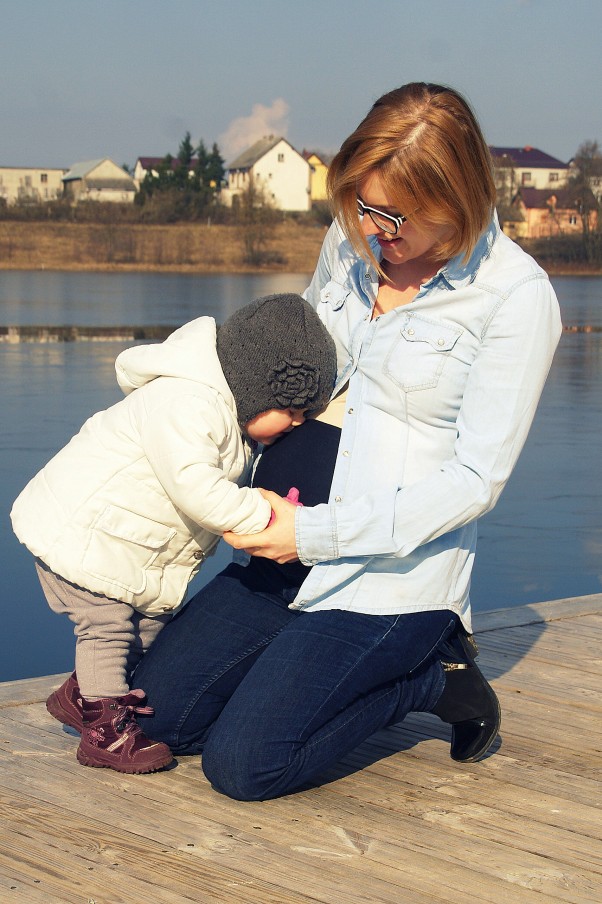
pixel 409 244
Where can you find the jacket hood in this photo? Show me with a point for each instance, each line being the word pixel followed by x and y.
pixel 189 353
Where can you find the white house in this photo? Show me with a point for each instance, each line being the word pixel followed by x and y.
pixel 527 168
pixel 99 180
pixel 28 183
pixel 275 168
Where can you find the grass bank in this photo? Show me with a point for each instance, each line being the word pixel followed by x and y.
pixel 288 247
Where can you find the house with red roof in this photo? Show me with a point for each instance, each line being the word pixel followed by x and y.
pixel 542 212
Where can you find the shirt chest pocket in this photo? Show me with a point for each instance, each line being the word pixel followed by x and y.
pixel 417 356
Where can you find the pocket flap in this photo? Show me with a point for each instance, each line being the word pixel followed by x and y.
pixel 334 294
pixel 440 336
pixel 126 525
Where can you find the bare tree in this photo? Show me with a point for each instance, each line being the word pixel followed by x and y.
pixel 585 185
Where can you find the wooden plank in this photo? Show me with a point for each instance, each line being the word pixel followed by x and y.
pixel 325 849
pixel 571 607
pixel 85 859
pixel 396 821
pixel 28 690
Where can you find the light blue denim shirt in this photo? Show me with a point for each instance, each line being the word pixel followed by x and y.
pixel 442 393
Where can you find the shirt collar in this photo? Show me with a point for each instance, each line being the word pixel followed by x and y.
pixel 455 273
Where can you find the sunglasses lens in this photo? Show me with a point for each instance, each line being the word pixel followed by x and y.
pixel 385 223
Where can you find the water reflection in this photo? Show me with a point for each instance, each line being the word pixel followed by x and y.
pixel 542 541
pixel 116 299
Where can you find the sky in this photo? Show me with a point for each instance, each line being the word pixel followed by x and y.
pixel 88 79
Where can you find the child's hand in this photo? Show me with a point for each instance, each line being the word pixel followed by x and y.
pixel 277 541
pixel 291 496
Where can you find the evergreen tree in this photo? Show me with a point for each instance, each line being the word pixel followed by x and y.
pixel 184 187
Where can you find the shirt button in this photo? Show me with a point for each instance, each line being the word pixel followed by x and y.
pixel 346 453
pixel 338 498
pixel 410 332
pixel 199 555
pixel 440 341
pixel 350 411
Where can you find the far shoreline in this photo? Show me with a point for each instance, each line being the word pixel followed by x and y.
pixel 186 248
pixel 234 269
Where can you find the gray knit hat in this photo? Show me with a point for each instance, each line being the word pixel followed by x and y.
pixel 276 353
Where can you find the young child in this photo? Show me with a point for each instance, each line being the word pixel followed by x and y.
pixel 122 517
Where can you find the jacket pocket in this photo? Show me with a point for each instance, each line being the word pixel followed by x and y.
pixel 417 358
pixel 123 546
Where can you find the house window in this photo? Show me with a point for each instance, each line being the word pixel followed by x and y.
pixel 526 178
pixel 573 219
pixel 44 177
pixel 553 177
pixel 280 158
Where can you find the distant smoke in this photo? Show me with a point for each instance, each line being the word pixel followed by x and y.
pixel 246 130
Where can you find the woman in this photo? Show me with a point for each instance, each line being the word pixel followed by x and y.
pixel 445 332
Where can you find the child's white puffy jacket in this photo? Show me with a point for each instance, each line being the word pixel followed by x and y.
pixel 132 505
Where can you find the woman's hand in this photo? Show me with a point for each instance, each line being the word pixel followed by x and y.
pixel 277 541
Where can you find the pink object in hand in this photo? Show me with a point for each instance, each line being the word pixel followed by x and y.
pixel 291 496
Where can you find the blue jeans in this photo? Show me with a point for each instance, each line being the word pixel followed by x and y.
pixel 274 697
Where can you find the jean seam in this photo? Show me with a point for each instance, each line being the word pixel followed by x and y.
pixel 376 700
pixel 219 674
pixel 352 668
pixel 443 636
pixel 311 745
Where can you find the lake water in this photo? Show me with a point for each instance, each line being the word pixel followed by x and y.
pixel 542 541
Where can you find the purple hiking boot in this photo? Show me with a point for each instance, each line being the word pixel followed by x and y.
pixel 111 737
pixel 65 704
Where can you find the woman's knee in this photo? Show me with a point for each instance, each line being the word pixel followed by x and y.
pixel 242 765
pixel 231 774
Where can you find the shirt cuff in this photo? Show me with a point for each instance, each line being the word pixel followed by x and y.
pixel 315 534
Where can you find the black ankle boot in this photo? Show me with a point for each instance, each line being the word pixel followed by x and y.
pixel 468 701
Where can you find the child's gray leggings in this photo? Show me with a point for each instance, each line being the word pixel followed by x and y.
pixel 111 635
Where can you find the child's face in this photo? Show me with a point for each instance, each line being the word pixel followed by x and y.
pixel 266 427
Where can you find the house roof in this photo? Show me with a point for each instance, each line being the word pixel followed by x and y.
pixel 566 198
pixel 153 163
pixel 529 157
pixel 258 150
pixel 36 169
pixel 326 159
pixel 81 170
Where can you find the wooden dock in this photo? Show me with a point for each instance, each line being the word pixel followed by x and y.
pixel 397 822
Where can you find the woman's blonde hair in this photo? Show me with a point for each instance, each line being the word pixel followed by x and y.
pixel 426 145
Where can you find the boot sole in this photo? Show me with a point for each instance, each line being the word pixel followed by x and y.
pixel 131 769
